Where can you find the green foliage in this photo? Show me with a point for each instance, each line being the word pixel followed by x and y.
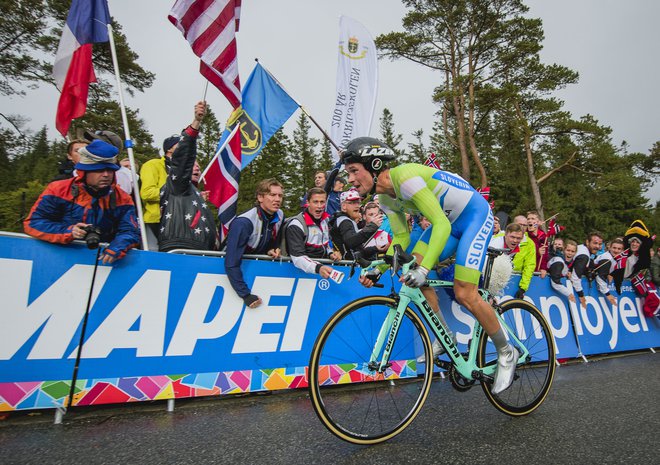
pixel 209 136
pixel 271 163
pixel 391 138
pixel 15 205
pixel 304 162
pixel 23 37
pixel 29 40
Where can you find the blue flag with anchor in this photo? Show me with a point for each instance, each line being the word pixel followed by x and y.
pixel 264 109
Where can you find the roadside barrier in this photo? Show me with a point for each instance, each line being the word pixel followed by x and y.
pixel 166 326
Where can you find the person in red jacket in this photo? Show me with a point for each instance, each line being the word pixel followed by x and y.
pixel 69 208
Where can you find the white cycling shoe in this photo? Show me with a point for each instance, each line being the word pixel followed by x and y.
pixel 438 349
pixel 506 368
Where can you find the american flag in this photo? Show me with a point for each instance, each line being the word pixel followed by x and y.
pixel 432 161
pixel 224 174
pixel 210 27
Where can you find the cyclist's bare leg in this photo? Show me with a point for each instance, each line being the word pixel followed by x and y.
pixel 468 296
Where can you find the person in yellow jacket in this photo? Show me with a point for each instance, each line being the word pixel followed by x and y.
pixel 153 176
pixel 523 251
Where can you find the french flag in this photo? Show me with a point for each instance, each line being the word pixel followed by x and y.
pixel 86 24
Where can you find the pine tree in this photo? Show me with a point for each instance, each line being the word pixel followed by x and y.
pixel 387 133
pixel 209 136
pixel 271 163
pixel 465 42
pixel 303 160
pixel 418 152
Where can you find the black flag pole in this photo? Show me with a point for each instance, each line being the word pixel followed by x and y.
pixel 74 376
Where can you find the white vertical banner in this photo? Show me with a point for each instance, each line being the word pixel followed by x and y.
pixel 357 83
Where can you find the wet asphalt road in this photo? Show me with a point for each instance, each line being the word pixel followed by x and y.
pixel 605 411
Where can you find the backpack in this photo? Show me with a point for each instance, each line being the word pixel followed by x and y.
pixel 285 225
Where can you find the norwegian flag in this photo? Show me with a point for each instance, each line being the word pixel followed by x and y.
pixel 485 192
pixel 210 28
pixel 222 178
pixel 432 161
pixel 621 259
pixel 554 228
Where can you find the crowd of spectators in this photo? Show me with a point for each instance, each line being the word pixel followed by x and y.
pixel 94 192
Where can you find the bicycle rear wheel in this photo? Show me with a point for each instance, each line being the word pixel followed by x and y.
pixel 533 376
pixel 355 400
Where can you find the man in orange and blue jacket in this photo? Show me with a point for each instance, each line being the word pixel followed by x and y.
pixel 66 208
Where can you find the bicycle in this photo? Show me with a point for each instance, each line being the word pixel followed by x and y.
pixel 363 374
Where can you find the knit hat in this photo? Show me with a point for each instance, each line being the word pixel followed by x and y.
pixel 170 142
pixel 98 155
pixel 106 136
pixel 349 195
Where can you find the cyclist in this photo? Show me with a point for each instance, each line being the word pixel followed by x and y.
pixel 461 224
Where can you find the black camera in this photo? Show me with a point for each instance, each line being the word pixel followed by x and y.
pixel 93 236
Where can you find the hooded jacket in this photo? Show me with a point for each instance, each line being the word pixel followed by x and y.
pixel 65 203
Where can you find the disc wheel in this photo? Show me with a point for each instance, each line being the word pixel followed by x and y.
pixel 534 375
pixel 353 397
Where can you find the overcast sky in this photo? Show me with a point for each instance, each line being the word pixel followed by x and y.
pixel 612 44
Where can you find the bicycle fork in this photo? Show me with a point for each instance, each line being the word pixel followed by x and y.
pixel 386 337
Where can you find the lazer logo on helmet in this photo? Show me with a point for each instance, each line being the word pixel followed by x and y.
pixel 375 152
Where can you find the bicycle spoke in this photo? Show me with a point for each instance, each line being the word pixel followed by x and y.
pixel 534 375
pixel 368 412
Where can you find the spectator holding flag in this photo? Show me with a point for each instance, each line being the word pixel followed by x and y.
pixel 186 221
pixel 634 262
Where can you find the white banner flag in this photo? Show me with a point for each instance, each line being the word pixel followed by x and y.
pixel 357 83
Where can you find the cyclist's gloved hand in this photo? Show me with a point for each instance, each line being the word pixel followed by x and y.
pixel 520 293
pixel 416 277
pixel 373 275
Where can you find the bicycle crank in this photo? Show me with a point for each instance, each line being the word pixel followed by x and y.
pixel 458 381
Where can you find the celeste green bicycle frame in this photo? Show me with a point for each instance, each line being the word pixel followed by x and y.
pixel 390 328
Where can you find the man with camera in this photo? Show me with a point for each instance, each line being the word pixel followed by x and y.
pixel 88 206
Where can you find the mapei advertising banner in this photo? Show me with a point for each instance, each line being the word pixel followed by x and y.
pixel 165 326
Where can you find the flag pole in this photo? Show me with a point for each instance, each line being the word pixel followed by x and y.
pixel 128 142
pixel 217 152
pixel 325 134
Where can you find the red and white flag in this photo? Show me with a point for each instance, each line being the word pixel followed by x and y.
pixel 210 28
pixel 554 228
pixel 221 178
pixel 86 24
pixel 432 161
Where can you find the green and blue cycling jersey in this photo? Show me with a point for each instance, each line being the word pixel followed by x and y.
pixel 461 219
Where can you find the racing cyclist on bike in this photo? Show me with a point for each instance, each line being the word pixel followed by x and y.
pixel 461 224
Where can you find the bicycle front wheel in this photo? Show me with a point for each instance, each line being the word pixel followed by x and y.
pixel 534 375
pixel 353 397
